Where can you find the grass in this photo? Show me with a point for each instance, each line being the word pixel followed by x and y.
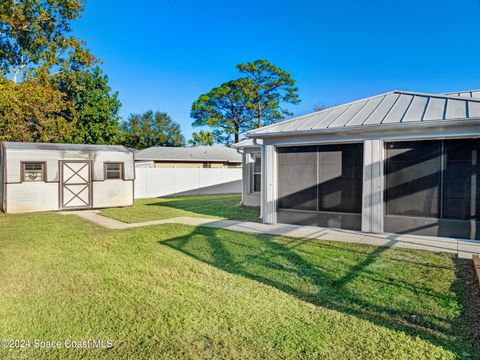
pixel 175 291
pixel 209 206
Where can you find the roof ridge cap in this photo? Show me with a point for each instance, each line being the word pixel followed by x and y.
pixel 435 95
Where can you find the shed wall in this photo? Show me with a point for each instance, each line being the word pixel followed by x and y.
pixel 44 196
pixel 32 196
pixel 52 158
pixel 110 193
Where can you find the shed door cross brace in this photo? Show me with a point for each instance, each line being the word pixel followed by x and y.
pixel 76 195
pixel 76 173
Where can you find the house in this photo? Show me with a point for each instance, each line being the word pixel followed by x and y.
pixel 188 157
pixel 400 162
pixel 41 177
pixel 251 171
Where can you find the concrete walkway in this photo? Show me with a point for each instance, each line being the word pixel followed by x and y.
pixel 463 248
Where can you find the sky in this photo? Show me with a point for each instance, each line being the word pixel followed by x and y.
pixel 162 55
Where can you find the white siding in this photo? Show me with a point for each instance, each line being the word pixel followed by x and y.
pixel 104 156
pixel 43 196
pixel 32 196
pixel 111 193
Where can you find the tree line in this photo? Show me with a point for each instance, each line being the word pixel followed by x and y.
pixel 52 89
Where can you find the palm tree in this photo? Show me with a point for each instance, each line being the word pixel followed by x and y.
pixel 202 138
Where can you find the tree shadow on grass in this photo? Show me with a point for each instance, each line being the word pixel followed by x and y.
pixel 362 283
pixel 227 207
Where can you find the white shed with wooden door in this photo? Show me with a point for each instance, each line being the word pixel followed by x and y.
pixel 43 177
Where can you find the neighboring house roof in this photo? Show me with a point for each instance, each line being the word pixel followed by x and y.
pixel 395 107
pixel 196 153
pixel 245 144
pixel 64 147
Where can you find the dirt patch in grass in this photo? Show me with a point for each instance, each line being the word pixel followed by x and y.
pixel 471 300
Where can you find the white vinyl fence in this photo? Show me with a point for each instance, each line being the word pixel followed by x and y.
pixel 152 182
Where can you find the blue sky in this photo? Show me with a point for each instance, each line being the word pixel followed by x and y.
pixel 162 55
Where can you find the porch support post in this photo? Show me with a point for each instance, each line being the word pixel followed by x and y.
pixel 373 185
pixel 269 185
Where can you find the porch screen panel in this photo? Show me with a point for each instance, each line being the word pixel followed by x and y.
pixel 297 178
pixel 413 178
pixel 461 195
pixel 340 178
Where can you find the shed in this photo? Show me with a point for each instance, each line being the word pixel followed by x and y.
pixel 189 157
pixel 42 177
pixel 400 162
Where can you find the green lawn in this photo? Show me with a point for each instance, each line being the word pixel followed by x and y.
pixel 210 206
pixel 175 291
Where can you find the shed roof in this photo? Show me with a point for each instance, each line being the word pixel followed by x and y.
pixel 395 107
pixel 196 153
pixel 64 147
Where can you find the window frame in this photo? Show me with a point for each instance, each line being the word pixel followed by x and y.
pixel 105 170
pixel 23 171
pixel 254 157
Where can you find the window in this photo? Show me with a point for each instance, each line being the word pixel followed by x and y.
pixel 340 178
pixel 33 171
pixel 113 171
pixel 297 178
pixel 439 179
pixel 256 173
pixel 461 184
pixel 413 178
pixel 321 178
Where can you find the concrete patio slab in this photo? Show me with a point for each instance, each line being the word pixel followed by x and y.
pixel 463 248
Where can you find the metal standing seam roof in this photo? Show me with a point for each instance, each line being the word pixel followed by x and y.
pixel 245 144
pixel 395 107
pixel 196 153
pixel 467 93
pixel 64 147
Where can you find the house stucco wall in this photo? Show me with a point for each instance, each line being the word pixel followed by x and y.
pixel 373 177
pixel 373 186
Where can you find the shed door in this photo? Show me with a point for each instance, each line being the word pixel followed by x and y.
pixel 75 184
